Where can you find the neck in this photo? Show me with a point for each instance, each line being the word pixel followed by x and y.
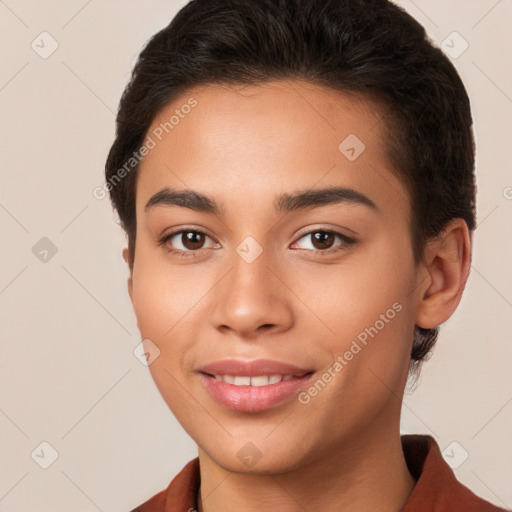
pixel 371 474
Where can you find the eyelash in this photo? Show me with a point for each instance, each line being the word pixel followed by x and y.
pixel 346 242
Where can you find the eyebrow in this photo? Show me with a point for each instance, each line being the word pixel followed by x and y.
pixel 295 201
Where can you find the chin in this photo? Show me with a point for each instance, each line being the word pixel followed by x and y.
pixel 257 455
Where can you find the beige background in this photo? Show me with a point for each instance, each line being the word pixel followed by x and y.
pixel 68 375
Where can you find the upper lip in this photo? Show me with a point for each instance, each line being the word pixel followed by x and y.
pixel 237 367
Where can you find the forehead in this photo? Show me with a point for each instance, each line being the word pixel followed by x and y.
pixel 253 142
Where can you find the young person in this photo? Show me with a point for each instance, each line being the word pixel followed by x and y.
pixel 296 181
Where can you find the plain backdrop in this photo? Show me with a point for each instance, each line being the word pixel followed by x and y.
pixel 68 374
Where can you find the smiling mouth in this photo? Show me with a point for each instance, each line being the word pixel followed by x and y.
pixel 253 394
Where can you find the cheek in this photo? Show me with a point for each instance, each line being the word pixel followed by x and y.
pixel 165 298
pixel 168 301
pixel 351 296
pixel 155 305
pixel 165 306
pixel 368 309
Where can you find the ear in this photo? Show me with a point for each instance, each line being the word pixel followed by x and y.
pixel 126 257
pixel 447 263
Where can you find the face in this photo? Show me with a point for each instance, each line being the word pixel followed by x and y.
pixel 297 261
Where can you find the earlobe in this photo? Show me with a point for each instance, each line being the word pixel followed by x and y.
pixel 447 262
pixel 126 257
pixel 130 288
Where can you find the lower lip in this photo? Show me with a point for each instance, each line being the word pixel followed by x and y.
pixel 252 398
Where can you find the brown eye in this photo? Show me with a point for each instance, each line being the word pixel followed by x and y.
pixel 187 242
pixel 192 240
pixel 322 239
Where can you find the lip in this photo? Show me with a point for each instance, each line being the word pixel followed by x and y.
pixel 253 368
pixel 252 398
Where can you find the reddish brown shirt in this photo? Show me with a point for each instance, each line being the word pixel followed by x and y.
pixel 436 490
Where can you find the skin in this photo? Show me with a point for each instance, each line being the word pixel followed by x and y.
pixel 243 146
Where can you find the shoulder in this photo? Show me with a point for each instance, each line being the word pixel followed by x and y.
pixel 437 489
pixel 154 504
pixel 180 494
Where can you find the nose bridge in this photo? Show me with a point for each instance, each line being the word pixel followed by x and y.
pixel 250 271
pixel 251 296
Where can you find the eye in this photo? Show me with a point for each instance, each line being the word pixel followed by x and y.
pixel 189 242
pixel 321 241
pixel 185 241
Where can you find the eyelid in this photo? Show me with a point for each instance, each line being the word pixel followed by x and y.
pixel 327 229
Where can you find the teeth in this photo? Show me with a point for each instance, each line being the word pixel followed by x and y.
pixel 260 380
pixel 242 381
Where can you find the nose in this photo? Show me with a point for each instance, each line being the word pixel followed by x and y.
pixel 253 299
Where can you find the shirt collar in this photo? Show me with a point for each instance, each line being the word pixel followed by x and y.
pixel 436 488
